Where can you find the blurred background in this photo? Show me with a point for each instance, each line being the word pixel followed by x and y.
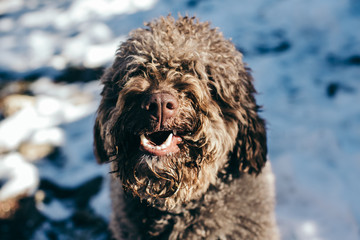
pixel 305 57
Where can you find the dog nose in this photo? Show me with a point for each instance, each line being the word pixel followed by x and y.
pixel 160 106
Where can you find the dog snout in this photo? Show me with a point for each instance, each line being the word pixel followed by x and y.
pixel 160 106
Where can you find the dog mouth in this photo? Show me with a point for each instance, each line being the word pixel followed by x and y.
pixel 160 143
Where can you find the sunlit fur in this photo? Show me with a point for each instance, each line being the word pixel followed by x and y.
pixel 223 136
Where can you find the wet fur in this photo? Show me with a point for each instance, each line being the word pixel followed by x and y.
pixel 219 185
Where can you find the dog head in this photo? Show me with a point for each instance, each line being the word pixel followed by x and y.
pixel 177 105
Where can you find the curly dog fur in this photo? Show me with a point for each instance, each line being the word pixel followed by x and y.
pixel 179 124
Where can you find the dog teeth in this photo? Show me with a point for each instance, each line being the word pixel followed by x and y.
pixel 147 143
pixel 168 141
pixel 144 140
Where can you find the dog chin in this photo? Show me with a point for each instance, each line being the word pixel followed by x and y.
pixel 158 173
pixel 159 163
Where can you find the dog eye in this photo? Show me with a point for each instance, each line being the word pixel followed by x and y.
pixel 135 74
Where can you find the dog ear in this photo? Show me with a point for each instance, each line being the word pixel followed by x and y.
pixel 112 80
pixel 234 92
pixel 250 148
pixel 98 146
pixel 102 143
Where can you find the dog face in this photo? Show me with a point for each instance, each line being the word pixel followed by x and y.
pixel 177 106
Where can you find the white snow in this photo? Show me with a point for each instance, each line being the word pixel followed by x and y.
pixel 64 33
pixel 314 138
pixel 47 112
pixel 22 178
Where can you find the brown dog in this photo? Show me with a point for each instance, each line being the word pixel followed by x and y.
pixel 179 123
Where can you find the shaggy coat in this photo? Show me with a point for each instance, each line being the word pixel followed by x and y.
pixel 179 124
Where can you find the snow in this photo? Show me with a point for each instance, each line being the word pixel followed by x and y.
pixel 22 177
pixel 47 112
pixel 305 60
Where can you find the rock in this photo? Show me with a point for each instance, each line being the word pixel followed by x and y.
pixel 35 151
pixel 14 103
pixel 9 207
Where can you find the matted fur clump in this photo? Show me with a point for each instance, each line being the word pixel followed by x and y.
pixel 179 124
